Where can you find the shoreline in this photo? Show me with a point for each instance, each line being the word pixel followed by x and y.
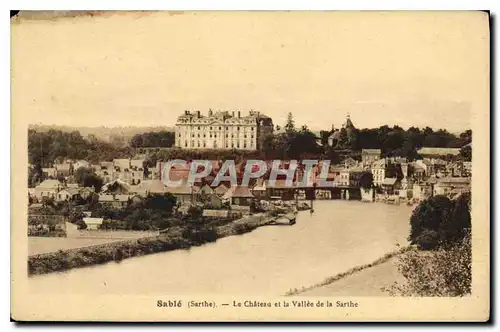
pixel 64 260
pixel 330 280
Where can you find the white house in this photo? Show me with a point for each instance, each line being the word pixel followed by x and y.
pixel 48 188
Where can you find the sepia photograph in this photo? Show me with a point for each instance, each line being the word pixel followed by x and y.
pixel 250 166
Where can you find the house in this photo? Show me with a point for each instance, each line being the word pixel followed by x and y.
pixel 137 164
pixel 259 189
pixel 280 189
pixel 80 163
pixel 418 172
pixel 93 223
pixel 368 156
pixel 221 189
pixel 184 193
pixel 116 201
pixel 354 177
pixel 68 194
pixel 422 191
pixel 64 169
pixel 343 178
pixel 49 172
pixel 390 186
pixel 378 170
pixel 239 195
pixel 86 192
pixel 211 200
pixel 121 164
pixel 452 185
pixel 116 187
pixel 438 152
pixel 206 190
pixel 427 165
pixel 48 188
pixel 467 167
pixel 350 162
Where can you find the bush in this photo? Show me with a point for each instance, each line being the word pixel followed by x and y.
pixel 443 272
pixel 428 239
pixel 441 217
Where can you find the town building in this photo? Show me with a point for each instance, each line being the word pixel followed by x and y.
pixel 452 186
pixel 378 170
pixel 222 130
pixel 47 189
pixel 369 156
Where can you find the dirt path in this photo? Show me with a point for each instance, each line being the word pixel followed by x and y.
pixel 367 282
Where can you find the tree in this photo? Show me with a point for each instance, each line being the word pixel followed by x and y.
pixel 86 177
pixel 366 180
pixel 394 171
pixel 458 225
pixel 290 124
pixel 431 214
pixel 466 153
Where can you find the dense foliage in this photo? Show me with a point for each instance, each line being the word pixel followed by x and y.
pixel 442 229
pixel 153 139
pixel 441 272
pixel 441 221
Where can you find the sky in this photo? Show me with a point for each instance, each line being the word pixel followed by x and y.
pixel 146 68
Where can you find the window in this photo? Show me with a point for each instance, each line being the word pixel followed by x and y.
pixel 252 135
pixel 204 144
pixel 245 136
pixel 185 144
pixel 227 145
pixel 238 145
pixel 215 135
pixel 198 135
pixel 238 128
pixel 227 135
pixel 210 135
pixel 198 128
pixel 192 135
pixel 220 128
pixel 245 145
pixel 227 128
pixel 251 128
pixel 179 134
pixel 210 128
pixel 198 143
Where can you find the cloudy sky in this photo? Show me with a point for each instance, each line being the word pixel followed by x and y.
pixel 143 68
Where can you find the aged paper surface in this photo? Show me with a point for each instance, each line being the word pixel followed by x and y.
pixel 124 79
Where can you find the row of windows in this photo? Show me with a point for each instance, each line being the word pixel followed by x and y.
pixel 215 135
pixel 227 128
pixel 232 144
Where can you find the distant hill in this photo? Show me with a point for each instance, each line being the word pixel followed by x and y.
pixel 102 132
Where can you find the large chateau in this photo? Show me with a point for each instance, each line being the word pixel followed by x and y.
pixel 222 130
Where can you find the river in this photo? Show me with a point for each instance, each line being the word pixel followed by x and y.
pixel 268 261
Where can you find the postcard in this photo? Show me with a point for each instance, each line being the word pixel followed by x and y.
pixel 250 166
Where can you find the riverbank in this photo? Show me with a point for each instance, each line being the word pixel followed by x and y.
pixel 176 238
pixel 364 280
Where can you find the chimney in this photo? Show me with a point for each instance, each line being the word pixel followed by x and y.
pixel 186 112
pixel 210 112
pixel 239 114
pixel 233 114
pixel 198 114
